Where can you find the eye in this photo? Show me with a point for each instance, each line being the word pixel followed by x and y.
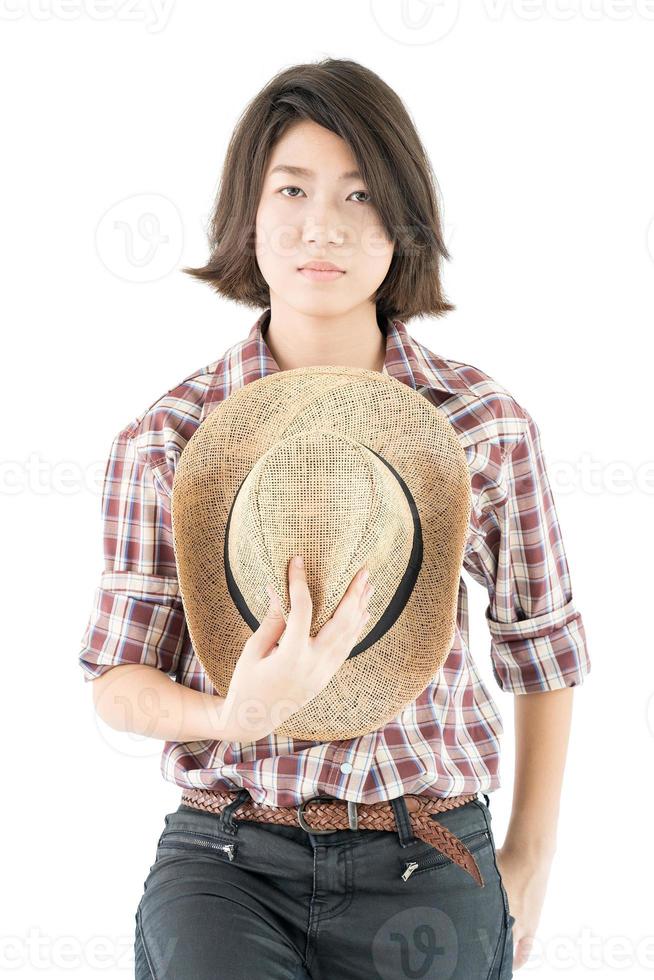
pixel 292 187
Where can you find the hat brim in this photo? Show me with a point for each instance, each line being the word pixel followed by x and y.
pixel 418 440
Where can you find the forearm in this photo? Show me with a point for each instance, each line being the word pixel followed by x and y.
pixel 145 700
pixel 542 729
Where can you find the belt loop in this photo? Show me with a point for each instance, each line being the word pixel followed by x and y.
pixel 403 821
pixel 225 817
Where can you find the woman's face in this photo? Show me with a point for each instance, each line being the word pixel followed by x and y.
pixel 314 207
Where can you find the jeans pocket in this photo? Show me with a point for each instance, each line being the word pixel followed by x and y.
pixel 185 841
pixel 433 859
pixel 192 831
pixel 491 835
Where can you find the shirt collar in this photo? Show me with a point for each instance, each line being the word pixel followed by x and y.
pixel 405 359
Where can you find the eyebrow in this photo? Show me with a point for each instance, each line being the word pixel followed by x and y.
pixel 305 172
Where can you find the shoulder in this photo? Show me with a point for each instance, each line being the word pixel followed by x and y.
pixel 480 407
pixel 159 433
pixel 497 432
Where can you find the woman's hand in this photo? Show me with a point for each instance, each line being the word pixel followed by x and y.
pixel 525 882
pixel 274 678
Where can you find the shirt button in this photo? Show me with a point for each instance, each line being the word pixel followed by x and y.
pixel 346 767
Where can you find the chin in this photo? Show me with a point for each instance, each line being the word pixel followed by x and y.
pixel 320 304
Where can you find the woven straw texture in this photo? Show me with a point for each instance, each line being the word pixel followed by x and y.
pixel 288 465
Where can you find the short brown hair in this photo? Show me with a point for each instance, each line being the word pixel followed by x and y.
pixel 353 102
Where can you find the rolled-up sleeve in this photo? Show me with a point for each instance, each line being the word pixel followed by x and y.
pixel 137 615
pixel 538 640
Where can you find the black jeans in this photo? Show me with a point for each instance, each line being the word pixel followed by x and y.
pixel 246 900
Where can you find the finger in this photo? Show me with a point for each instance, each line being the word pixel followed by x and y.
pixel 353 599
pixel 346 620
pixel 366 592
pixel 299 617
pixel 342 648
pixel 270 628
pixel 360 625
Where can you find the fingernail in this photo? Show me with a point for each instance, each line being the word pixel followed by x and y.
pixel 298 561
pixel 364 575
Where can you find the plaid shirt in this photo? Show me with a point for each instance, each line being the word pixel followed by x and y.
pixel 447 741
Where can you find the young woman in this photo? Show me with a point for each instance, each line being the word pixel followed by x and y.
pixel 327 218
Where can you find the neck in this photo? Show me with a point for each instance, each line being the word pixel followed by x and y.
pixel 351 339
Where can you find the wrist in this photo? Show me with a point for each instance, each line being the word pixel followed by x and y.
pixel 239 721
pixel 208 719
pixel 529 847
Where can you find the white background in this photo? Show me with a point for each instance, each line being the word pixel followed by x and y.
pixel 537 119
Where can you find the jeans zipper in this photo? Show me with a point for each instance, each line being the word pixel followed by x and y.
pixel 191 839
pixel 473 842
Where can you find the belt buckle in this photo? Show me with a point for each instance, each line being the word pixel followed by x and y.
pixel 352 814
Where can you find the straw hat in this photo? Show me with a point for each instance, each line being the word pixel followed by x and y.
pixel 346 467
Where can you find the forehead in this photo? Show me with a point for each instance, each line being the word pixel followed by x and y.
pixel 307 149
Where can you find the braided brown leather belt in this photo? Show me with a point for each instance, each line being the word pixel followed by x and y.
pixel 326 815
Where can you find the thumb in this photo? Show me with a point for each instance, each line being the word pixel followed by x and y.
pixel 270 628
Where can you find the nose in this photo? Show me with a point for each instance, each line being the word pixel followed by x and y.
pixel 322 228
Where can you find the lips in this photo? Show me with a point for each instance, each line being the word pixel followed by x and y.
pixel 321 266
pixel 321 271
